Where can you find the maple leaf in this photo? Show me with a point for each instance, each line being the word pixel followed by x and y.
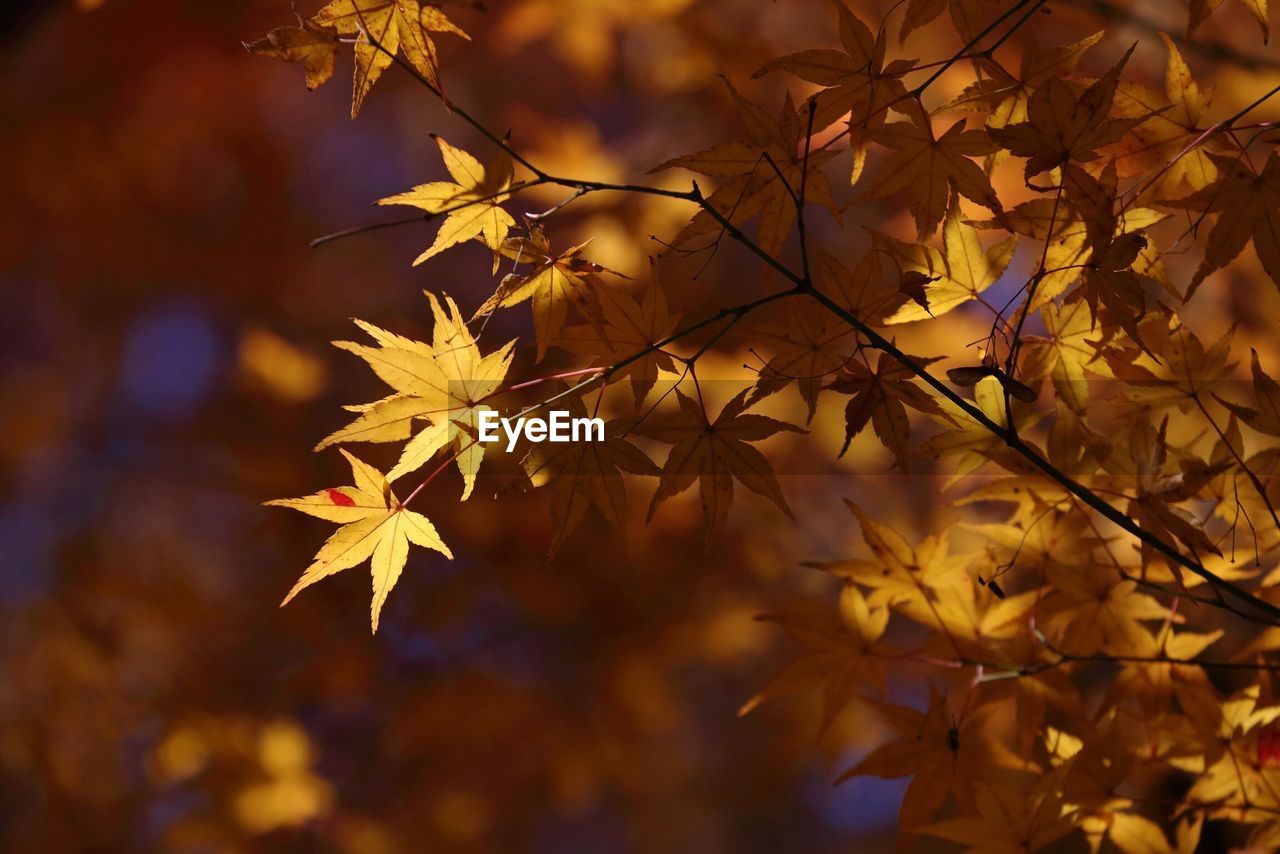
pixel 841 655
pixel 1109 280
pixel 930 167
pixel 1247 205
pixel 715 453
pixel 627 327
pixel 1097 767
pixel 849 75
pixel 1144 466
pixel 808 347
pixel 1063 127
pixel 375 527
pixel 555 283
pixel 1202 9
pixel 966 619
pixel 316 47
pixel 976 444
pixel 942 755
pixel 763 176
pixel 1004 95
pixel 472 201
pixel 1160 144
pixel 1071 344
pixel 900 572
pixel 857 82
pixel 912 285
pixel 1069 254
pixel 394 26
pixel 1230 733
pixel 445 383
pixel 1188 369
pixel 1266 418
pixel 1023 818
pixel 584 473
pixel 966 15
pixel 880 397
pixel 1052 538
pixel 1114 610
pixel 1155 684
pixel 956 275
pixel 864 291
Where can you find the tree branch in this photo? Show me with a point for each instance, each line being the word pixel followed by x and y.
pixel 803 284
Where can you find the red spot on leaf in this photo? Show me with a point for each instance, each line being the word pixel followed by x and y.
pixel 1269 746
pixel 341 499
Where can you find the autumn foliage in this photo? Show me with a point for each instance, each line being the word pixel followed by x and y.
pixel 1067 628
pixel 950 337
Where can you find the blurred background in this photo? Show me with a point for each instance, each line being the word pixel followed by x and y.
pixel 165 368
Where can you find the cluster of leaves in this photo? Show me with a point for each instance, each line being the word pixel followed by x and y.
pixel 1130 500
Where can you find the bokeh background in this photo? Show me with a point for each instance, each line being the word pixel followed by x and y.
pixel 163 329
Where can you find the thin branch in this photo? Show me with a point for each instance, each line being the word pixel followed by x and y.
pixel 1244 467
pixel 507 193
pixel 1010 438
pixel 364 229
pixel 1015 344
pixel 603 374
pixel 804 183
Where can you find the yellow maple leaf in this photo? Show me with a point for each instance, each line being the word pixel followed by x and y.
pixel 1202 9
pixel 842 654
pixel 1160 145
pixel 375 527
pixel 943 756
pixel 387 27
pixel 1266 418
pixel 929 167
pixel 445 383
pixel 1069 346
pixel 898 572
pixel 1062 126
pixel 1009 818
pixel 959 273
pixel 976 444
pixel 472 202
pixel 316 47
pixel 555 283
pixel 1005 95
pixel 863 291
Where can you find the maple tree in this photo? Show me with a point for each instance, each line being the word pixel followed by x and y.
pixel 1063 629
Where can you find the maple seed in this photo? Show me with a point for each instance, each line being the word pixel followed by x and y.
pixel 993 586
